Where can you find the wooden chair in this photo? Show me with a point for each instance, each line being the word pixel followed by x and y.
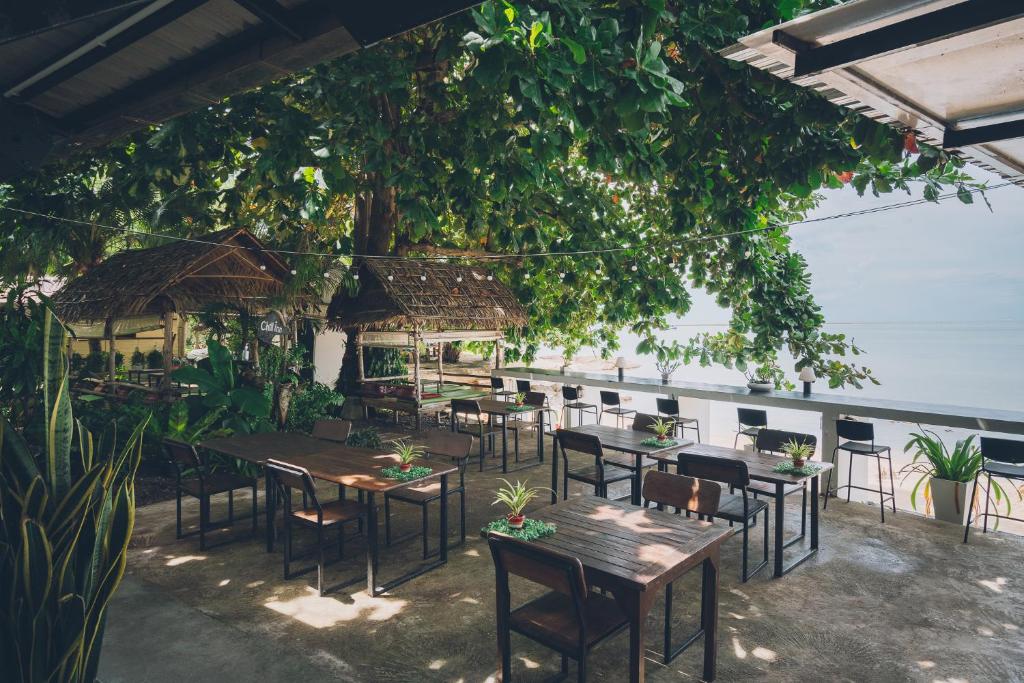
pixel 448 445
pixel 611 399
pixel 733 508
pixel 194 478
pixel 332 430
pixel 692 495
pixel 519 423
pixel 596 474
pixel 467 418
pixel 571 401
pixel 772 441
pixel 750 421
pixel 669 407
pixel 1000 458
pixel 315 515
pixel 569 619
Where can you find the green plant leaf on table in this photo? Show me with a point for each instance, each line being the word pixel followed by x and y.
pixel 653 441
pixel 532 530
pixel 417 472
pixel 809 469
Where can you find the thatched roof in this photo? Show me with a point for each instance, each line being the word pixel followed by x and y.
pixel 394 296
pixel 180 276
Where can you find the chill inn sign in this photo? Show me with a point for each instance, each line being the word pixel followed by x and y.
pixel 271 326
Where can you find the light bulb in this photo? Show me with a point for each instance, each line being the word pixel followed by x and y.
pixel 391 277
pixel 490 277
pixel 423 278
pixel 458 279
pixel 356 276
pixel 633 267
pixel 262 267
pixel 294 272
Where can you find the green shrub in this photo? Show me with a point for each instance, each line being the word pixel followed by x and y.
pixel 310 403
pixel 367 437
pixel 154 360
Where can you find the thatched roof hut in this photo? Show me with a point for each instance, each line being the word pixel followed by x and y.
pixel 431 296
pixel 179 276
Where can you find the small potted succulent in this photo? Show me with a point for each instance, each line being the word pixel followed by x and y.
pixel 798 452
pixel 516 497
pixel 519 399
pixel 406 453
pixel 662 429
pixel 762 379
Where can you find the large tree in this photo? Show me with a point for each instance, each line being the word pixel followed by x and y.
pixel 610 134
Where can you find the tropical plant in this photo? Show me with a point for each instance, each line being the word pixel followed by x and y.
pixel 21 369
pixel 662 428
pixel 67 517
pixel 368 437
pixel 451 352
pixel 798 451
pixel 312 402
pixel 138 358
pixel 155 360
pixel 933 459
pixel 517 496
pixel 406 452
pixel 519 398
pixel 767 373
pixel 245 409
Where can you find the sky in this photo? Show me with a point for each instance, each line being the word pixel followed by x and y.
pixel 924 263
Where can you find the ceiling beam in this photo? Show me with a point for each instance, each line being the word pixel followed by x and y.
pixel 993 132
pixel 270 12
pixel 941 24
pixel 102 46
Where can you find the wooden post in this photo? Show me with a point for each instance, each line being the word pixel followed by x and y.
pixel 497 354
pixel 181 337
pixel 360 372
pixel 112 359
pixel 168 350
pixel 416 377
pixel 440 367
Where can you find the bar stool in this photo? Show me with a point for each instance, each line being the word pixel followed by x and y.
pixel 611 398
pixel 1002 458
pixel 523 386
pixel 751 421
pixel 498 390
pixel 860 440
pixel 571 401
pixel 669 407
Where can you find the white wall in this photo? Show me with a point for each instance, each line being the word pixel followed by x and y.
pixel 328 349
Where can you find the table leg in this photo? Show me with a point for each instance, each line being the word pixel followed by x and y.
pixel 636 605
pixel 504 443
pixel 540 436
pixel 638 479
pixel 371 545
pixel 554 470
pixel 780 507
pixel 814 512
pixel 709 614
pixel 444 518
pixel 269 501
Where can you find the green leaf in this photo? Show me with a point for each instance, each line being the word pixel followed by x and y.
pixel 964 195
pixel 535 30
pixel 579 55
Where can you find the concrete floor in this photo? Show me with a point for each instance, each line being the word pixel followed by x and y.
pixel 906 601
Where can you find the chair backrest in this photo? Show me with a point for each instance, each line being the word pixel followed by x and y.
pixel 498 383
pixel 854 430
pixel 465 406
pixel 728 471
pixel 535 563
pixel 686 493
pixel 752 417
pixel 523 386
pixel 570 393
pixel 449 444
pixel 642 421
pixel 1002 450
pixel 668 406
pixel 535 398
pixel 292 477
pixel 772 440
pixel 610 398
pixel 182 454
pixel 332 430
pixel 589 444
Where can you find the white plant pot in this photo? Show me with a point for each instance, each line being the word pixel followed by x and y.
pixel 760 386
pixel 949 500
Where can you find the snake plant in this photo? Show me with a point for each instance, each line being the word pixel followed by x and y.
pixel 66 516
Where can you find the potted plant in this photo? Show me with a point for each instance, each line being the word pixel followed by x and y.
pixel 798 452
pixel 762 378
pixel 138 359
pixel 945 474
pixel 662 428
pixel 155 360
pixel 406 453
pixel 666 367
pixel 519 399
pixel 516 497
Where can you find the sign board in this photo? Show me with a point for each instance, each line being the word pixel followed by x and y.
pixel 270 327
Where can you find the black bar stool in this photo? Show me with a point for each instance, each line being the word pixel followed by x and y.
pixel 498 390
pixel 751 421
pixel 1002 458
pixel 571 401
pixel 523 386
pixel 860 440
pixel 669 407
pixel 611 398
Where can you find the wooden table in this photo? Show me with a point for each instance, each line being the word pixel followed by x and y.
pixel 504 409
pixel 357 468
pixel 760 466
pixel 622 441
pixel 634 552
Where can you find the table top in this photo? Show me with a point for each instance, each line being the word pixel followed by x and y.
pixel 257 448
pixel 494 407
pixel 642 548
pixel 759 465
pixel 628 440
pixel 359 468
